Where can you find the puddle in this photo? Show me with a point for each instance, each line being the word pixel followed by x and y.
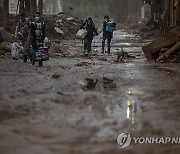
pixel 108 84
pixel 93 84
pixel 129 108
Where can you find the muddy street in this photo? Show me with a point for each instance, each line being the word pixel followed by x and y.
pixel 79 105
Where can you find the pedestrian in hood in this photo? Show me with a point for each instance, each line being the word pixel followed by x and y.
pixel 91 31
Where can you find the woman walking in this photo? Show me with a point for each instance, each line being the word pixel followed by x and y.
pixel 91 31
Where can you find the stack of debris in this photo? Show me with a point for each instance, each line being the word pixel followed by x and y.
pixel 58 27
pixel 62 26
pixel 165 48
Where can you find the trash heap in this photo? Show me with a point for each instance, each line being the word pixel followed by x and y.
pixel 165 48
pixel 62 26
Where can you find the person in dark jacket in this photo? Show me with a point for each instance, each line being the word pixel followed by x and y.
pixel 22 34
pixel 107 35
pixel 91 30
pixel 38 32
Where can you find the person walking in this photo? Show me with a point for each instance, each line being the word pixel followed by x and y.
pixel 108 28
pixel 91 31
pixel 38 32
pixel 22 34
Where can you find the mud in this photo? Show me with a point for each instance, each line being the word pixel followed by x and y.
pixel 80 105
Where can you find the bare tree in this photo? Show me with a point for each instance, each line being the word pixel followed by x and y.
pixel 40 6
pixel 21 3
pixel 6 13
pixel 27 6
pixel 178 10
pixel 118 9
pixel 33 6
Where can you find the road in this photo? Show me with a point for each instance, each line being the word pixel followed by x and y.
pixel 76 105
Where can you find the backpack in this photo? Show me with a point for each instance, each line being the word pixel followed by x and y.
pixel 38 30
pixel 110 26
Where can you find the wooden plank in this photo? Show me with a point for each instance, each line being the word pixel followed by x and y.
pixel 169 52
pixel 153 47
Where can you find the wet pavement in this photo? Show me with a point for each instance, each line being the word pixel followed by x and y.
pixel 76 105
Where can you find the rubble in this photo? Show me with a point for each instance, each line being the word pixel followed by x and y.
pixel 6 46
pixel 62 26
pixel 58 30
pixel 164 47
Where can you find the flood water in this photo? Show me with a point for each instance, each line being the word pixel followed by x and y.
pixel 80 105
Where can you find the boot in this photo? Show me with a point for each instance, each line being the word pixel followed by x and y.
pixel 25 58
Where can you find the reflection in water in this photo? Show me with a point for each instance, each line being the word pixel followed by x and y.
pixel 130 65
pixel 91 84
pixel 132 106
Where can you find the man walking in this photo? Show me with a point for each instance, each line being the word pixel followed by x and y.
pixel 108 28
pixel 38 31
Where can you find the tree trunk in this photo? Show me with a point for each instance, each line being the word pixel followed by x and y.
pixel 6 13
pixel 178 10
pixel 169 42
pixel 40 5
pixel 33 6
pixel 169 52
pixel 27 6
pixel 161 42
pixel 21 9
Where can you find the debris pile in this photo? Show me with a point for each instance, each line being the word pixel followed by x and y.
pixel 5 46
pixel 165 48
pixel 58 27
pixel 62 26
pixel 149 32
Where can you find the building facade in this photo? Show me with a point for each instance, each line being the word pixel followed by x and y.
pixel 166 12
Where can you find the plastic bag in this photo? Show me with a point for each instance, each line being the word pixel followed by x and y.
pixel 81 33
pixel 16 49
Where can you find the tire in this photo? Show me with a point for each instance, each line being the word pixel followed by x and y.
pixel 40 63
